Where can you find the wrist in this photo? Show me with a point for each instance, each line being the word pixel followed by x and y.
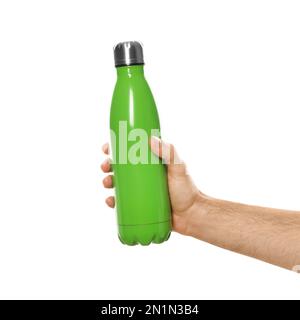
pixel 199 220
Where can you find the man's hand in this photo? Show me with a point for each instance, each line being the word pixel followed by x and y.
pixel 267 234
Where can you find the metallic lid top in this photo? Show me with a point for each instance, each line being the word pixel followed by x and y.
pixel 128 53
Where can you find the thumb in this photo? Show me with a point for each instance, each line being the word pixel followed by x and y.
pixel 168 154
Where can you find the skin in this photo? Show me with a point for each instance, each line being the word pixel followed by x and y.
pixel 270 235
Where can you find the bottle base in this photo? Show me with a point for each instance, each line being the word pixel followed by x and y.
pixel 145 234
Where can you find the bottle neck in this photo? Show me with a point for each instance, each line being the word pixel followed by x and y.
pixel 130 71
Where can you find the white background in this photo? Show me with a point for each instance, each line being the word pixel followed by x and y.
pixel 226 78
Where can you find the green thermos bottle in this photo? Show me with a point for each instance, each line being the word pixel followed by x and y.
pixel 140 177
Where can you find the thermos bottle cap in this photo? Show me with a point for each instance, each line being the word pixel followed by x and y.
pixel 128 53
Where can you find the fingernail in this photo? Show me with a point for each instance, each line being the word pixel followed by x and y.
pixel 155 140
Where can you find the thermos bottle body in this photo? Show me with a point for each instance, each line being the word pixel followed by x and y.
pixel 140 179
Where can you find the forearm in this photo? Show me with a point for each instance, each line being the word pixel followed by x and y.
pixel 267 234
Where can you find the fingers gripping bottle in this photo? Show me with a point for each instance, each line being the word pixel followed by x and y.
pixel 140 180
